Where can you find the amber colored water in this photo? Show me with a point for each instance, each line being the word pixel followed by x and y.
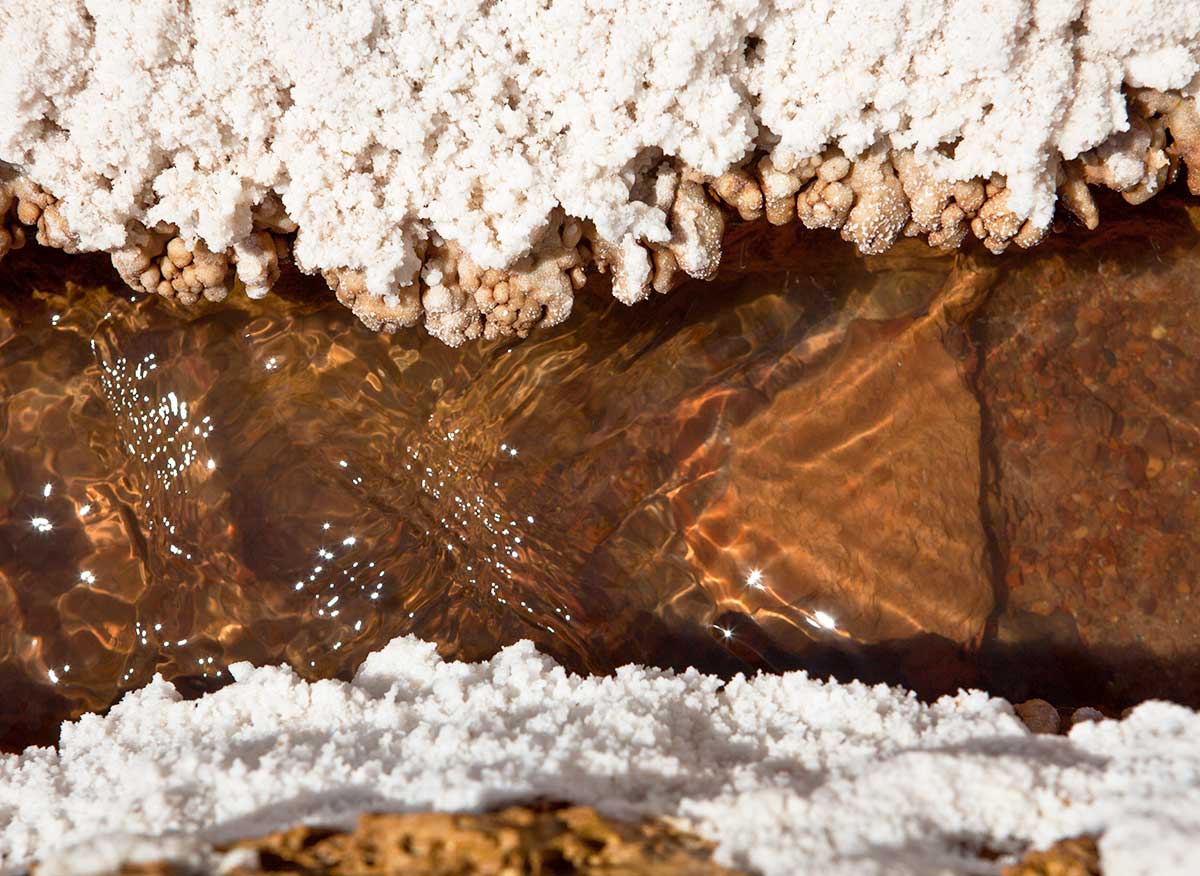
pixel 929 469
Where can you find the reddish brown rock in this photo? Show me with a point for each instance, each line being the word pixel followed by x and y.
pixel 1091 362
pixel 1039 716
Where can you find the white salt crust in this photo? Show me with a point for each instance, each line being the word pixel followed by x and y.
pixel 788 775
pixel 379 122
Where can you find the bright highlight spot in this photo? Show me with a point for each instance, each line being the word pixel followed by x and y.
pixel 825 620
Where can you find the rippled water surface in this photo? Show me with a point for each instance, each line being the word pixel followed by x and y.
pixel 933 469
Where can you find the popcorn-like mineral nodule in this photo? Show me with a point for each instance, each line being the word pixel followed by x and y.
pixel 444 162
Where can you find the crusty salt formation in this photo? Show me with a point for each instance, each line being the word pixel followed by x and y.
pixel 439 163
pixel 785 774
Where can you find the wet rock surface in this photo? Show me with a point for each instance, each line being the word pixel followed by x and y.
pixel 1089 376
pixel 869 439
pixel 923 468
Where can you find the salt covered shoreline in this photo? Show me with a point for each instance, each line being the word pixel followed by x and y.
pixel 786 774
pixel 464 164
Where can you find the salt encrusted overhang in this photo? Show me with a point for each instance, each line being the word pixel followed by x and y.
pixel 464 163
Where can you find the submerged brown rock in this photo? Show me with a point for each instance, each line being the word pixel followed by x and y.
pixel 787 468
pixel 870 438
pixel 1090 369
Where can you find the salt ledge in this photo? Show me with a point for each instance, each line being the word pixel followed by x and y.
pixel 787 774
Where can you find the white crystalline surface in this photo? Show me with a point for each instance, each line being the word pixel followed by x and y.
pixel 381 121
pixel 788 775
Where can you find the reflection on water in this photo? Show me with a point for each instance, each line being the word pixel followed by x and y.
pixel 781 469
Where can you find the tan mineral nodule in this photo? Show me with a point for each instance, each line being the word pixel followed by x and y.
pixel 386 314
pixel 12 232
pixel 160 263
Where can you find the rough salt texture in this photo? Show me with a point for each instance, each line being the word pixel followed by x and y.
pixel 381 123
pixel 786 774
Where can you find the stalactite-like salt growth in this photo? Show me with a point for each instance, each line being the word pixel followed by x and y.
pixel 464 163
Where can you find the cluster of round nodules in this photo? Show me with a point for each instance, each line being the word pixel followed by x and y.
pixel 863 198
pixel 871 199
pixel 463 302
pixel 875 197
pixel 460 301
pixel 24 204
pixel 159 262
pixel 1164 133
pixel 156 261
